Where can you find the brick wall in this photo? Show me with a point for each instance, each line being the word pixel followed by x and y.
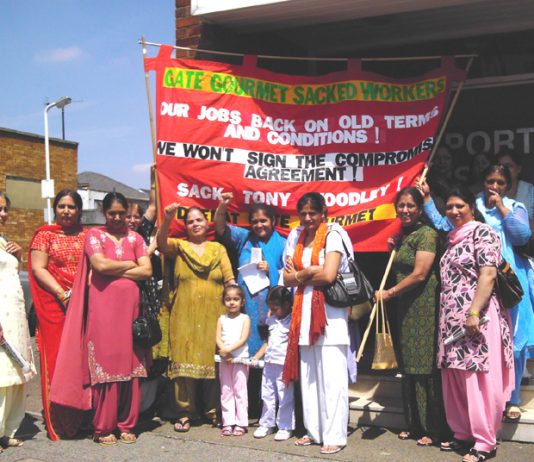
pixel 188 29
pixel 23 155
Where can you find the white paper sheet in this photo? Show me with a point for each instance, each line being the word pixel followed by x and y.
pixel 255 255
pixel 255 279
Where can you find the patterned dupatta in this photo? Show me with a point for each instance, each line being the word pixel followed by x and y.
pixel 318 314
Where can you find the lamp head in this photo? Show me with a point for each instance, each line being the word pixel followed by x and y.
pixel 62 102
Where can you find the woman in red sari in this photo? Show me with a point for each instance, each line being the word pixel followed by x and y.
pixel 55 252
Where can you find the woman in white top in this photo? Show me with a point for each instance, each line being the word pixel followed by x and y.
pixel 14 330
pixel 314 254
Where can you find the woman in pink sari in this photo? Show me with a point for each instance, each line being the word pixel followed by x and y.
pixel 101 363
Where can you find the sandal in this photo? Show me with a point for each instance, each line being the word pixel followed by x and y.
pixel 183 425
pixel 105 440
pixel 474 455
pixel 8 442
pixel 331 449
pixel 513 413
pixel 128 438
pixel 453 445
pixel 425 441
pixel 239 431
pixel 227 431
pixel 404 435
pixel 304 441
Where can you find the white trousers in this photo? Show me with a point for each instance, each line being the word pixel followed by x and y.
pixel 274 393
pixel 12 409
pixel 325 400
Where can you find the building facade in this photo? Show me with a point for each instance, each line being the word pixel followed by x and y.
pixel 21 170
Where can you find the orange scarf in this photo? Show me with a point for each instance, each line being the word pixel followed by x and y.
pixel 318 314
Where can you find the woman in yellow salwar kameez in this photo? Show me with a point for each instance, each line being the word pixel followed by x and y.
pixel 201 270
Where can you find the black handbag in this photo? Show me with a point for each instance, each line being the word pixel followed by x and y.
pixel 507 286
pixel 351 288
pixel 146 329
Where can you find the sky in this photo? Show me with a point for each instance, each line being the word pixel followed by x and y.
pixel 88 50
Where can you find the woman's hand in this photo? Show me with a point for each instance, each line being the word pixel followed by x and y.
pixel 386 295
pixel 394 242
pixel 472 325
pixel 263 266
pixel 14 249
pixel 495 199
pixel 423 188
pixel 226 198
pixel 289 267
pixel 170 211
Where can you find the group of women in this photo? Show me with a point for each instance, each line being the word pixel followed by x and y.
pixel 454 392
pixel 462 353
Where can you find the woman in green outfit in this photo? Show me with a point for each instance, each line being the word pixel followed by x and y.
pixel 417 294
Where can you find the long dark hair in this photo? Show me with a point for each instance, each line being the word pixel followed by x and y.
pixel 267 210
pixel 468 197
pixel 112 197
pixel 499 169
pixel 315 200
pixel 4 196
pixel 281 295
pixel 73 195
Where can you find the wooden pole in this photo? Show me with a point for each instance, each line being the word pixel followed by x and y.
pixel 423 176
pixel 152 131
pixel 306 58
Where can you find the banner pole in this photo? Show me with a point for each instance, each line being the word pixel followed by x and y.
pixel 447 117
pixel 423 176
pixel 306 58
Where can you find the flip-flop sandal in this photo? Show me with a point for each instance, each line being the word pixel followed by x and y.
pixel 479 456
pixel 331 450
pixel 128 438
pixel 404 436
pixel 304 441
pixel 239 431
pixel 454 445
pixel 513 413
pixel 183 425
pixel 105 440
pixel 11 442
pixel 425 441
pixel 226 431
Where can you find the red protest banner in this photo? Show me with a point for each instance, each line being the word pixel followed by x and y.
pixel 353 136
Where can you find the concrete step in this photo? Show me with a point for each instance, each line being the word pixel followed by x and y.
pixel 377 401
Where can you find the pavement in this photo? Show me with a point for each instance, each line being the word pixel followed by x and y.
pixel 158 442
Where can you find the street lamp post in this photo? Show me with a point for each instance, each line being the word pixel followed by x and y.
pixel 47 185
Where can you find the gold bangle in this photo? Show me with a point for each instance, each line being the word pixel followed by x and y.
pixel 299 282
pixel 473 313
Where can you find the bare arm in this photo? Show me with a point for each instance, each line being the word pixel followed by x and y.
pixel 41 273
pixel 169 214
pixel 110 267
pixel 141 272
pixel 219 219
pixel 486 281
pixel 423 265
pixel 150 213
pixel 260 353
pixel 316 275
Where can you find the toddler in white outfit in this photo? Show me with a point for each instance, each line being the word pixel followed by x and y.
pixel 274 392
